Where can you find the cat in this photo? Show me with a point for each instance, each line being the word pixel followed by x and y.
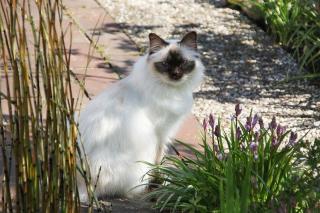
pixel 134 119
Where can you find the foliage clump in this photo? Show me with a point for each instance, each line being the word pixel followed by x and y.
pixel 295 25
pixel 38 129
pixel 249 168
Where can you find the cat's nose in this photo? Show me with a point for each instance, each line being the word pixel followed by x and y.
pixel 176 75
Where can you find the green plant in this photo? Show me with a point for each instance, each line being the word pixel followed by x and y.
pixel 302 190
pixel 296 25
pixel 244 169
pixel 38 131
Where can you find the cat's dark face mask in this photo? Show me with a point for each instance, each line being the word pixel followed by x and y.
pixel 173 64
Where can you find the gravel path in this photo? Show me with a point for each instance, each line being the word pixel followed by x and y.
pixel 243 63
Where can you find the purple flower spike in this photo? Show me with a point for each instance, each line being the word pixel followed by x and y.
pixel 205 125
pixel 216 148
pixel 211 121
pixel 261 124
pixel 238 133
pixel 238 109
pixel 273 124
pixel 253 146
pixel 248 124
pixel 217 131
pixel 274 141
pixel 293 138
pixel 255 120
pixel 220 156
pixel 280 130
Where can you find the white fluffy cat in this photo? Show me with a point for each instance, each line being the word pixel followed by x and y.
pixel 134 119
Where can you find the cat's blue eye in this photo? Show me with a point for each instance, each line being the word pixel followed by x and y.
pixel 164 63
pixel 184 62
pixel 187 65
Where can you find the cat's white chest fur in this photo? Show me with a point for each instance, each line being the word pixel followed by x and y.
pixel 130 122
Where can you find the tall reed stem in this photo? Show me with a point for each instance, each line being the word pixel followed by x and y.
pixel 37 114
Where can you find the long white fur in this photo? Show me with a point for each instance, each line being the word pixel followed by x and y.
pixel 133 119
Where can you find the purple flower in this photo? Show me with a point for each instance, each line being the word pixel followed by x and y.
pixel 211 121
pixel 205 125
pixel 253 146
pixel 238 109
pixel 255 120
pixel 274 141
pixel 261 124
pixel 220 156
pixel 293 137
pixel 248 124
pixel 216 148
pixel 238 133
pixel 273 124
pixel 217 131
pixel 280 130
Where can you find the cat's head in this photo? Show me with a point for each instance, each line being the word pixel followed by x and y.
pixel 174 61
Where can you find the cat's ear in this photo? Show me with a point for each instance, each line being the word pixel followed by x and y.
pixel 156 43
pixel 190 40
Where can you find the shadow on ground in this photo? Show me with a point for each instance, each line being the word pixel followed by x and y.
pixel 125 206
pixel 256 74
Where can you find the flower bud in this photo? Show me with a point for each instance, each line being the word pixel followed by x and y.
pixel 238 109
pixel 273 124
pixel 204 125
pixel 238 133
pixel 261 124
pixel 253 146
pixel 293 137
pixel 220 156
pixel 211 121
pixel 255 120
pixel 217 131
pixel 248 124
